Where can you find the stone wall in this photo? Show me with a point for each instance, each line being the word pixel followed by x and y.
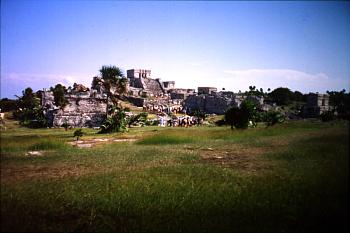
pixel 194 102
pixel 316 105
pixel 168 85
pixel 174 95
pixel 153 86
pixel 85 109
pixel 206 90
pixel 137 101
pixel 217 104
pixel 138 73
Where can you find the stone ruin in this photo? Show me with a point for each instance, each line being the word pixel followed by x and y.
pixel 85 108
pixel 210 101
pixel 141 81
pixel 316 105
pixel 144 91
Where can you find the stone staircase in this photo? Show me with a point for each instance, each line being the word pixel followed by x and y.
pixel 152 85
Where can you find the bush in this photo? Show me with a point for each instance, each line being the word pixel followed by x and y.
pixel 220 122
pixel 327 116
pixel 242 116
pixel 139 118
pixel 65 125
pixel 152 122
pixel 115 123
pixel 274 117
pixel 78 133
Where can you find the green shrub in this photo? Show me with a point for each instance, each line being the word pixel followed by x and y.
pixel 327 116
pixel 274 117
pixel 78 133
pixel 241 117
pixel 139 118
pixel 115 123
pixel 65 125
pixel 220 122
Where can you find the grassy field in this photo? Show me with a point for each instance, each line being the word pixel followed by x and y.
pixel 288 178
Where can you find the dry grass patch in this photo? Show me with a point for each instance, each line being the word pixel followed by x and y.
pixel 243 159
pixel 16 173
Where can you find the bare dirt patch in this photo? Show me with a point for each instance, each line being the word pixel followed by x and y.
pixel 243 159
pixel 249 158
pixel 15 173
pixel 98 141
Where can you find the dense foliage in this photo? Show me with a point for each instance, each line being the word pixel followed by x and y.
pixel 113 82
pixel 340 102
pixel 274 117
pixel 7 105
pixel 281 96
pixel 29 111
pixel 138 118
pixel 327 116
pixel 58 92
pixel 116 122
pixel 239 117
pixel 78 133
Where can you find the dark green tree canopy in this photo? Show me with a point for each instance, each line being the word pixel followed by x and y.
pixel 7 105
pixel 29 111
pixel 340 101
pixel 28 99
pixel 240 117
pixel 298 96
pixel 281 96
pixel 113 82
pixel 112 77
pixel 58 92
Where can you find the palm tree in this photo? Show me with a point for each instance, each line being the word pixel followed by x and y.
pixel 113 82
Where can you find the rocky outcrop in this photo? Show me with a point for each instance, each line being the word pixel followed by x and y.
pixel 85 109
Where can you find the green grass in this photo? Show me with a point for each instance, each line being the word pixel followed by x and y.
pixel 287 178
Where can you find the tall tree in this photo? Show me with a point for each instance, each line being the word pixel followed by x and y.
pixel 281 95
pixel 28 99
pixel 113 82
pixel 29 111
pixel 240 117
pixel 59 98
pixel 340 101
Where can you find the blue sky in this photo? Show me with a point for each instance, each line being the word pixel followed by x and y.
pixel 301 45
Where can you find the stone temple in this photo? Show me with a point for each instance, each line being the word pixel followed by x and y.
pixel 87 107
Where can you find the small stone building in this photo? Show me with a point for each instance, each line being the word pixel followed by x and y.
pixel 207 90
pixel 168 85
pixel 141 79
pixel 316 105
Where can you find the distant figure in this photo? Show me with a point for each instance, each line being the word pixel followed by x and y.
pixel 2 120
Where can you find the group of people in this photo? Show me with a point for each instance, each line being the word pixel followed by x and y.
pixel 162 109
pixel 182 121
